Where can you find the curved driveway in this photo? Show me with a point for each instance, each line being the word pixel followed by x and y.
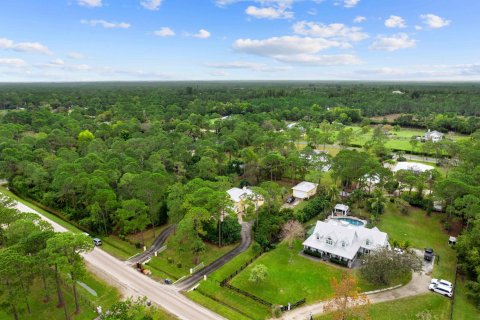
pixel 157 244
pixel 198 276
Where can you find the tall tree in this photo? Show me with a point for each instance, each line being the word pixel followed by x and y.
pixel 347 301
pixel 65 251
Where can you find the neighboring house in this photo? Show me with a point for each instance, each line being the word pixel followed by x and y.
pixel 398 92
pixel 433 136
pixel 304 190
pixel 241 197
pixel 412 166
pixel 334 239
pixel 341 210
pixel 291 125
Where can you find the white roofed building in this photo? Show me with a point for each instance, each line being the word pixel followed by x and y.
pixel 434 136
pixel 341 209
pixel 416 167
pixel 342 241
pixel 305 190
pixel 241 197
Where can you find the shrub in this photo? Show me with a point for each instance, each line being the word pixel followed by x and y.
pixel 179 265
pixel 339 262
pixel 316 206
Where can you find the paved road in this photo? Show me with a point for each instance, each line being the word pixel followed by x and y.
pixel 156 245
pixel 196 277
pixel 132 283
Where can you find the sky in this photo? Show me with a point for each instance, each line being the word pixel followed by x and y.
pixel 146 40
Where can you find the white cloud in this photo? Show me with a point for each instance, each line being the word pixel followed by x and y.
pixel 164 32
pixel 219 73
pixel 394 42
pixel 359 19
pixel 286 45
pixel 337 31
pixel 321 60
pixel 151 4
pixel 90 3
pixel 8 44
pixel 350 3
pixel 58 62
pixel 106 24
pixel 395 22
pixel 75 55
pixel 246 65
pixel 12 62
pixel 434 22
pixel 426 72
pixel 269 12
pixel 294 49
pixel 223 3
pixel 202 34
pixel 418 27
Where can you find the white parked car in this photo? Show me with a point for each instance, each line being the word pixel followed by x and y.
pixel 442 289
pixel 442 282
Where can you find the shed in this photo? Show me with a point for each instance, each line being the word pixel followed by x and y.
pixel 341 209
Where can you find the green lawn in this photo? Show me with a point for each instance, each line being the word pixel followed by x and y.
pixel 422 232
pixel 162 268
pixel 435 305
pixel 226 302
pixel 148 235
pixel 45 311
pixel 118 248
pixel 463 308
pixel 291 277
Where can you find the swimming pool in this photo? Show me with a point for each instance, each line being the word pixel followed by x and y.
pixel 353 222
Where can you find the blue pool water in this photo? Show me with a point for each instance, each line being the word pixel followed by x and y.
pixel 351 221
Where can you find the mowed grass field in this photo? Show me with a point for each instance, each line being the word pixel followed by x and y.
pixel 291 277
pixel 427 306
pixel 226 302
pixel 423 232
pixel 183 260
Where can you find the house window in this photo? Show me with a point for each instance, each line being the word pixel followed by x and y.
pixel 368 242
pixel 330 241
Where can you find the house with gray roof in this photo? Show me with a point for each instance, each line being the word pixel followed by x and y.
pixel 434 136
pixel 341 240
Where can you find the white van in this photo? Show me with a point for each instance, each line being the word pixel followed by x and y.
pixel 442 289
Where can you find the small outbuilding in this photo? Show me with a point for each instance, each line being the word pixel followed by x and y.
pixel 341 210
pixel 452 240
pixel 305 190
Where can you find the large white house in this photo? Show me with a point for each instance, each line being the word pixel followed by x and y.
pixel 433 136
pixel 415 167
pixel 340 240
pixel 240 197
pixel 304 190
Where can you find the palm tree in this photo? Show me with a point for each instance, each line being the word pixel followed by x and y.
pixel 378 201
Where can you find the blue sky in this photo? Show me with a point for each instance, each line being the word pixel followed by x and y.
pixel 97 40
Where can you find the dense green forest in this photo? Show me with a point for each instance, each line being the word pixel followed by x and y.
pixel 120 157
